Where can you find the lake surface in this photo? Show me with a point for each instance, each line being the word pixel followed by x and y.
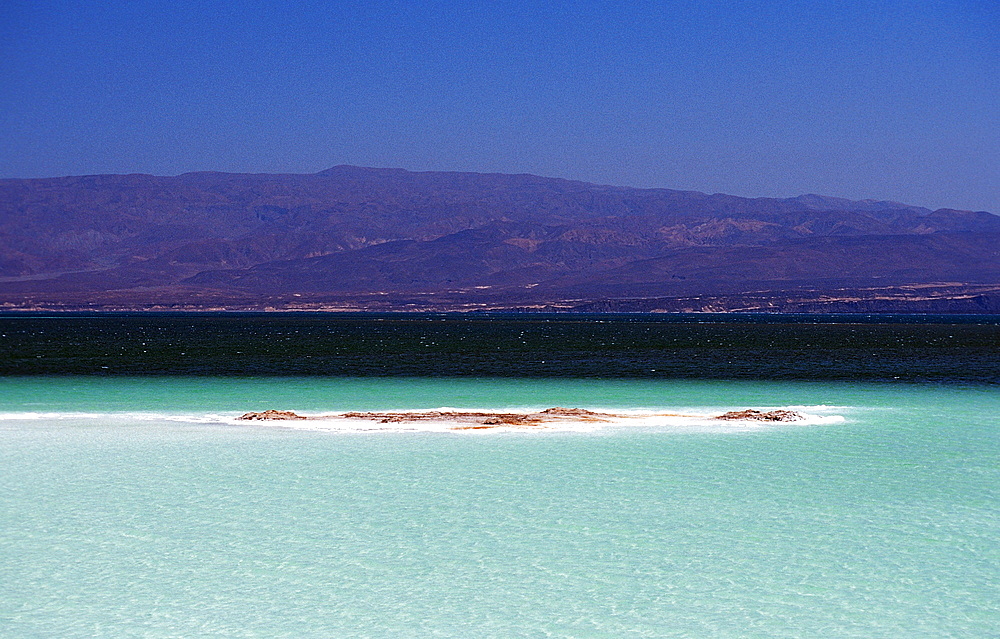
pixel 135 504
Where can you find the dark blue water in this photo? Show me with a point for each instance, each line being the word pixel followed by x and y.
pixel 945 349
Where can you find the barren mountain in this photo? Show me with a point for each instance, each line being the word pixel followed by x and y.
pixel 352 237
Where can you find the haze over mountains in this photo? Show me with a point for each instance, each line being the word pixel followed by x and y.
pixel 388 239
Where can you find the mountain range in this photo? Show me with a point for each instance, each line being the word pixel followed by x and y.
pixel 353 238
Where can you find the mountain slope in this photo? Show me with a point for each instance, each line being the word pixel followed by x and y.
pixel 502 240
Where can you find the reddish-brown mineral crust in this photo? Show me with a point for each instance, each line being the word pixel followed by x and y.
pixel 511 420
pixel 272 415
pixel 761 416
pixel 581 414
pixel 481 420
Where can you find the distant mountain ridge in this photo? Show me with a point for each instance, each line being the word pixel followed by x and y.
pixel 352 237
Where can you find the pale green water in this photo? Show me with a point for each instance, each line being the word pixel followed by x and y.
pixel 128 507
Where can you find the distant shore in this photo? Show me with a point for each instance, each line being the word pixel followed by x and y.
pixel 935 298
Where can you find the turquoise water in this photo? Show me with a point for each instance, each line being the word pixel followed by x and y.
pixel 179 395
pixel 137 507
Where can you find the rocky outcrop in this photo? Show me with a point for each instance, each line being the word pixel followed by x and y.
pixel 762 416
pixel 471 419
pixel 556 414
pixel 465 420
pixel 271 415
pixel 572 412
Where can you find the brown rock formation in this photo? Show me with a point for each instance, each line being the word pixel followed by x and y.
pixel 272 415
pixel 761 416
pixel 479 419
pixel 467 420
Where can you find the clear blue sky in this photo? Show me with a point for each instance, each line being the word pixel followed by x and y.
pixel 888 100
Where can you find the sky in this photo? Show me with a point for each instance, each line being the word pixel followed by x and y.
pixel 890 100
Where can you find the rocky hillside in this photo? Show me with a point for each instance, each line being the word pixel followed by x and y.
pixel 387 238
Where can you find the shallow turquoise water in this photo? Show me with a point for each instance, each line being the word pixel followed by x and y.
pixel 194 395
pixel 129 509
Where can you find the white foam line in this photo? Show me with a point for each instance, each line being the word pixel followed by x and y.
pixel 204 418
